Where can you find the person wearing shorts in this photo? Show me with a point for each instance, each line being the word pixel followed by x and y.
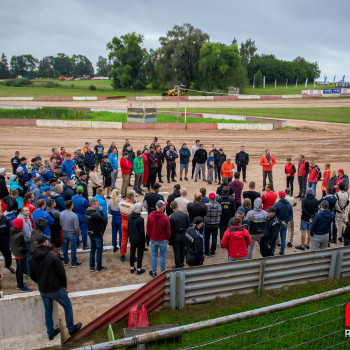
pixel 185 155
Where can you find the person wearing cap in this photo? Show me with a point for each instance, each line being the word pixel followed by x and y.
pixel 21 181
pixel 182 201
pixel 269 197
pixel 290 172
pixel 15 162
pixel 200 157
pixel 220 159
pixel 284 214
pixel 79 159
pixel 61 179
pixel 113 161
pixel 240 213
pixel 267 161
pixel 171 198
pixel 341 209
pixel 86 147
pixel 136 226
pixel 309 208
pixel 41 213
pixel 197 208
pixel 314 176
pixel 126 207
pixel 5 241
pixel 3 188
pixel 81 181
pixel 271 231
pixel 228 206
pixel 80 205
pixel 151 198
pixel 126 167
pixel 158 229
pixel 67 165
pixel 212 222
pixel 138 170
pixel 56 172
pixel 99 150
pixel 36 164
pixel 45 193
pixel 321 227
pixel 23 164
pixel 236 240
pixel 194 243
pixel 327 173
pixel 341 178
pixel 106 171
pixel 171 156
pixel 19 250
pixel 152 168
pixel 242 161
pixel 210 167
pixel 36 188
pixel 179 223
pixel 185 155
pixel 46 269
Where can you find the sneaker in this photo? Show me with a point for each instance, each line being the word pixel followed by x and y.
pixel 102 269
pixel 86 247
pixel 66 263
pixel 108 197
pixel 161 181
pixel 219 183
pixel 11 269
pixel 245 181
pixel 78 264
pixel 307 246
pixel 132 269
pixel 145 249
pixel 122 258
pixel 333 241
pixel 263 190
pixel 340 239
pixel 173 180
pixel 140 271
pixel 206 254
pixel 24 284
pixel 204 180
pixel 290 245
pixel 278 244
pixel 25 289
pixel 186 179
pixel 153 274
pixel 209 182
pixel 195 180
pixel 212 254
pixel 76 328
pixel 115 248
pixel 55 332
pixel 92 269
pixel 180 178
pixel 168 181
pixel 301 247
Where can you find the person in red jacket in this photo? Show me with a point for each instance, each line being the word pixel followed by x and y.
pixel 145 167
pixel 314 176
pixel 327 173
pixel 303 172
pixel 236 240
pixel 126 167
pixel 267 161
pixel 158 229
pixel 268 198
pixel 290 173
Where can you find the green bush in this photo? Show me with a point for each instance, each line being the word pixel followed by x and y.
pixel 92 87
pixel 44 113
pixel 51 84
pixel 18 82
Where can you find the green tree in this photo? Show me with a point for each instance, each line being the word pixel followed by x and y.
pixel 311 68
pixel 81 65
pixel 258 78
pixel 220 67
pixel 63 64
pixel 103 66
pixel 24 65
pixel 247 51
pixel 179 54
pixel 4 67
pixel 46 68
pixel 127 58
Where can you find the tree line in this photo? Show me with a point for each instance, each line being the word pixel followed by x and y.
pixel 185 56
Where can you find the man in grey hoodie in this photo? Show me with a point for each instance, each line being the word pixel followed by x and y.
pixel 27 231
pixel 256 220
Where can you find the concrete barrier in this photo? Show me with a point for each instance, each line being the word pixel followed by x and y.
pixel 22 323
pixel 199 98
pixel 270 97
pixel 228 126
pixel 17 122
pixel 225 98
pixel 91 98
pixel 19 107
pixel 132 126
pixel 66 98
pixel 223 116
pixel 106 125
pixel 172 126
pixel 63 123
pixel 16 98
pixel 248 97
pixel 291 96
pixel 202 126
pixel 79 98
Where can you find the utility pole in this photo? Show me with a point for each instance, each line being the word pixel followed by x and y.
pixel 178 99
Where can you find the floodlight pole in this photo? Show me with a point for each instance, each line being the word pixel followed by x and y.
pixel 178 99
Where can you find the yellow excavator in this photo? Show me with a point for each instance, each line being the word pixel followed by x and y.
pixel 177 90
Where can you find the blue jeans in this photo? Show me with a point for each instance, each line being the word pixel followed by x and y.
pixel 62 298
pixel 26 266
pixel 162 245
pixel 72 238
pixel 116 227
pixel 83 228
pixel 96 247
pixel 312 185
pixel 283 235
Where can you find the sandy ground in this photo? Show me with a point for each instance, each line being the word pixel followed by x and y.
pixel 318 141
pixel 122 104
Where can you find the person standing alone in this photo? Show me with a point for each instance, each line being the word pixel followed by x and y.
pixel 267 162
pixel 242 161
pixel 290 171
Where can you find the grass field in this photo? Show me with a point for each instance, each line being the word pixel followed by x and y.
pixel 239 303
pixel 326 114
pixel 65 114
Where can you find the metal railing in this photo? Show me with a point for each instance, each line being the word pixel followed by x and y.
pixel 314 322
pixel 204 283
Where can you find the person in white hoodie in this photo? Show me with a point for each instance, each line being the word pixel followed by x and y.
pixel 27 231
pixel 256 221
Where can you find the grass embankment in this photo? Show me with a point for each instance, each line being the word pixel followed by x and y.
pixel 244 302
pixel 325 114
pixel 66 114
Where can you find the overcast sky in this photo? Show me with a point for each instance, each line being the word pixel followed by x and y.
pixel 317 30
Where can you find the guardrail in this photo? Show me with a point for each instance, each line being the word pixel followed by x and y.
pixel 204 283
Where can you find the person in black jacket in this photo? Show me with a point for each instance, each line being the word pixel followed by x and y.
pixel 15 162
pixel 194 243
pixel 152 167
pixel 251 193
pixel 220 158
pixel 200 157
pixel 5 241
pixel 223 184
pixel 68 189
pixel 197 208
pixel 271 231
pixel 81 181
pixel 46 269
pixel 151 198
pixel 160 161
pixel 179 223
pixel 96 223
pixel 242 161
pixel 106 171
pixel 3 188
pixel 136 227
pixel 170 157
pixel 228 206
pixel 171 198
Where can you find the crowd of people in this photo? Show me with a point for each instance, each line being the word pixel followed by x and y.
pixel 47 209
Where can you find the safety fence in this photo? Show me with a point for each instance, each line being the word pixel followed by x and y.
pixel 314 322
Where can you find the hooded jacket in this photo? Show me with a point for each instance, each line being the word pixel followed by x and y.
pixel 185 155
pixel 200 156
pixel 90 159
pixel 321 223
pixel 284 210
pixel 256 218
pixel 228 206
pixel 220 159
pixel 158 226
pixel 171 198
pixel 27 226
pixel 309 207
pixel 4 232
pixel 18 244
pixel 106 168
pixel 42 214
pixel 236 240
pixel 194 247
pixel 59 199
pixel 40 225
pixel 179 223
pixel 46 269
pixel 136 227
pixel 3 188
pixel 95 222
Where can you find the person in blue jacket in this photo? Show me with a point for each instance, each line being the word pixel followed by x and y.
pixel 90 159
pixel 113 160
pixel 67 166
pixel 41 213
pixel 185 155
pixel 102 202
pixel 80 204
